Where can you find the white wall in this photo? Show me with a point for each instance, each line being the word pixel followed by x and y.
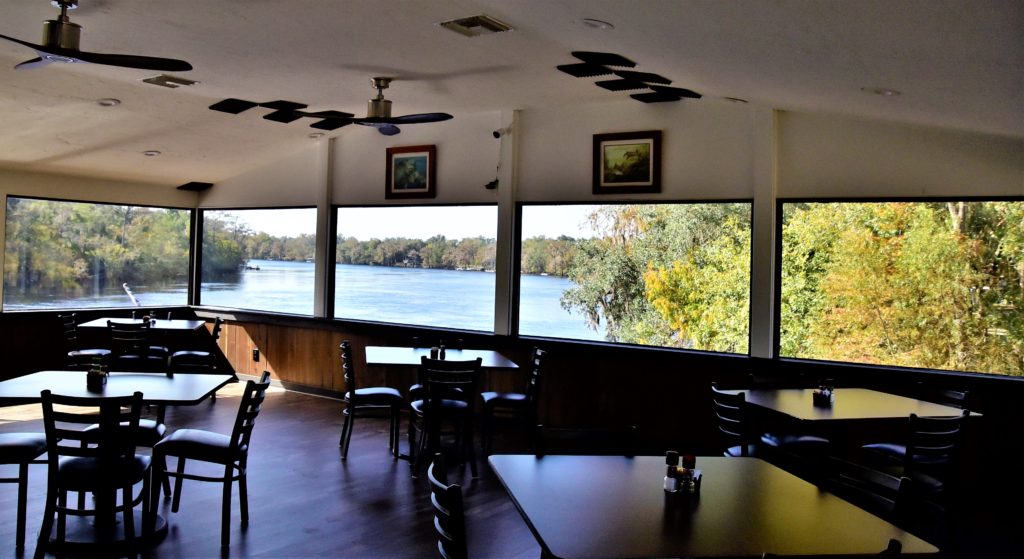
pixel 707 149
pixel 293 180
pixel 821 155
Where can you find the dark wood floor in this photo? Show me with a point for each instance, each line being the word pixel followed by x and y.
pixel 306 502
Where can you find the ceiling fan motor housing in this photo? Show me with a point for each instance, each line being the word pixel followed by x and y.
pixel 378 108
pixel 61 33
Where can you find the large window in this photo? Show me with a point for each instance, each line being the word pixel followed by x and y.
pixel 934 285
pixel 259 259
pixel 78 254
pixel 672 275
pixel 422 265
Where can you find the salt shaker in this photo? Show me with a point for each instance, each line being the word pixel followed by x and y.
pixel 671 482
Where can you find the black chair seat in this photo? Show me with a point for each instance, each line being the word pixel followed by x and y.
pixel 21 447
pixel 796 443
pixel 376 396
pixel 191 353
pixel 89 474
pixel 898 452
pixel 198 444
pixel 89 353
pixel 148 433
pixel 744 450
pixel 446 405
pixel 504 399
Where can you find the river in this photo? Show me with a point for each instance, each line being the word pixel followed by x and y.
pixel 443 298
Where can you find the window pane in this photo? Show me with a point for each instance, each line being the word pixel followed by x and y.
pixel 79 254
pixel 259 259
pixel 426 265
pixel 673 275
pixel 916 284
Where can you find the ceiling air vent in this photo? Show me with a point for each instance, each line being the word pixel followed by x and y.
pixel 172 82
pixel 476 25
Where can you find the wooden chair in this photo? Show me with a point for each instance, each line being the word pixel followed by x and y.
pixel 358 400
pixel 520 407
pixel 449 516
pixel 98 461
pixel 231 452
pixel 197 361
pixel 450 389
pixel 583 441
pixel 77 357
pixel 21 449
pixel 132 349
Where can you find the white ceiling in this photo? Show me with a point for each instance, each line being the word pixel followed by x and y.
pixel 958 63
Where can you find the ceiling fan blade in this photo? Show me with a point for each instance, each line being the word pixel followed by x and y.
pixel 418 118
pixel 34 63
pixel 123 60
pixel 132 61
pixel 385 128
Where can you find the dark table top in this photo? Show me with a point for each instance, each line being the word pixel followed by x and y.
pixel 613 506
pixel 158 324
pixel 848 404
pixel 156 388
pixel 385 355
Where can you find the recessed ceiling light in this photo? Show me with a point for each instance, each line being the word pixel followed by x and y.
pixel 883 91
pixel 595 23
pixel 108 102
pixel 151 153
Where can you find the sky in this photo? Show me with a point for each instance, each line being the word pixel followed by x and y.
pixel 421 222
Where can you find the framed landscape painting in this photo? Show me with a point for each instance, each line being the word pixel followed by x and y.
pixel 410 172
pixel 627 162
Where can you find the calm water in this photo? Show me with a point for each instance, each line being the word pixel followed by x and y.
pixel 445 298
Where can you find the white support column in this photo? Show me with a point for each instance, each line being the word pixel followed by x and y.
pixel 323 226
pixel 762 266
pixel 504 251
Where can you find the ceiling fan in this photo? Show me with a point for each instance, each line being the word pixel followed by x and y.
pixel 378 112
pixel 60 44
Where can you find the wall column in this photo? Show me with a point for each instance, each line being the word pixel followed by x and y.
pixel 762 265
pixel 504 283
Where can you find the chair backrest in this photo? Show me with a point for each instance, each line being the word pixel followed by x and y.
pixel 932 442
pixel 248 409
pixel 875 491
pixel 449 380
pixel 64 427
pixel 348 366
pixel 218 324
pixel 533 383
pixel 70 327
pixel 600 441
pixel 129 337
pixel 730 412
pixel 449 516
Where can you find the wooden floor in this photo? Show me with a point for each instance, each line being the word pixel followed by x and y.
pixel 306 502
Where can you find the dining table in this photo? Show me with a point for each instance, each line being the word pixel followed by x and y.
pixel 157 389
pixel 174 324
pixel 849 419
pixel 410 356
pixel 614 506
